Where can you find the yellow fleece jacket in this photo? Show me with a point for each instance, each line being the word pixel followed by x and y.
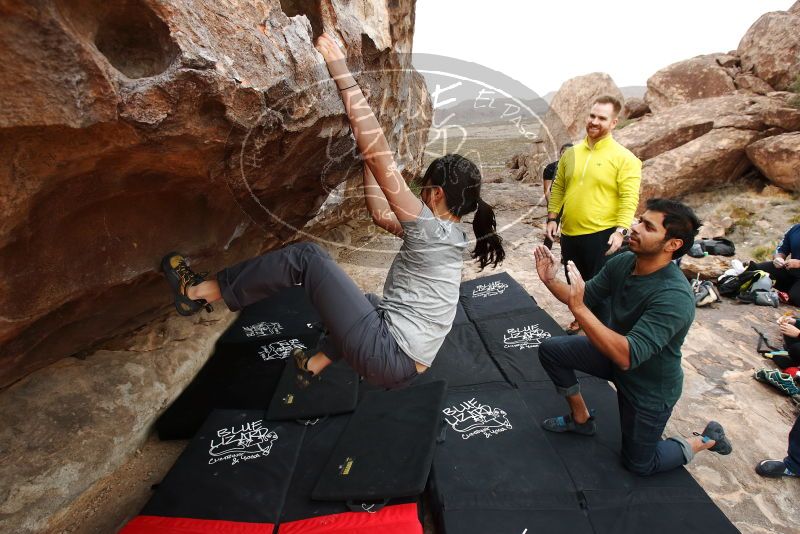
pixel 597 187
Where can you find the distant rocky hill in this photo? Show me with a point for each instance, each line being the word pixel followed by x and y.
pixel 468 112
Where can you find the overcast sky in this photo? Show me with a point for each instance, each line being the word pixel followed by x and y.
pixel 542 44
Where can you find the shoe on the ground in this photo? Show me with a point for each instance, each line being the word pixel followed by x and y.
pixel 774 469
pixel 303 376
pixel 180 278
pixel 565 423
pixel 714 430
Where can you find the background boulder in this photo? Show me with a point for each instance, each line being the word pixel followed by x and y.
pixel 691 79
pixel 771 48
pixel 778 158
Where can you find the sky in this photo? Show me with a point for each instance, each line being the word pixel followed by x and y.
pixel 542 44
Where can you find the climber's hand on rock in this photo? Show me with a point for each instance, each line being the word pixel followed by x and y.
pixel 334 59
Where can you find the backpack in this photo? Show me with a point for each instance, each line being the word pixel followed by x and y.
pixel 732 285
pixel 719 246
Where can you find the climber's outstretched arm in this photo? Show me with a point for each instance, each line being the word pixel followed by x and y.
pixel 368 133
pixel 378 206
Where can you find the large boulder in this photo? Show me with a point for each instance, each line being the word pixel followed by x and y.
pixel 691 79
pixel 657 134
pixel 702 144
pixel 135 127
pixel 566 119
pixel 711 160
pixel 778 158
pixel 771 48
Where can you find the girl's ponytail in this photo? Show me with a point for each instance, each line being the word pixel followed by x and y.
pixel 488 244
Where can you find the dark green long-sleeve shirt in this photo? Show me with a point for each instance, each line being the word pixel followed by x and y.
pixel 654 312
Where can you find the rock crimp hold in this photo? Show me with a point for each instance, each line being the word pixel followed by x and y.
pixel 778 158
pixel 771 48
pixel 135 127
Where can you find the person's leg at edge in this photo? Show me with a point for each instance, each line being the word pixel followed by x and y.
pixel 306 264
pixel 792 459
pixel 561 357
pixel 643 451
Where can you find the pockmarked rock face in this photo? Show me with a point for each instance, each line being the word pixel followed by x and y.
pixel 566 118
pixel 635 108
pixel 778 158
pixel 136 127
pixel 691 79
pixel 771 48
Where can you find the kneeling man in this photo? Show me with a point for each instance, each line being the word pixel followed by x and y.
pixel 652 308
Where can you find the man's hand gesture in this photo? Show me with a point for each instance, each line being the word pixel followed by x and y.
pixel 614 242
pixel 576 287
pixel 546 264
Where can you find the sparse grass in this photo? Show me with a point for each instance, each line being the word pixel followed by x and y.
pixel 763 252
pixel 794 219
pixel 742 218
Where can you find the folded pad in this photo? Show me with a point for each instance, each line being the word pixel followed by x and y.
pixel 334 391
pixel 387 447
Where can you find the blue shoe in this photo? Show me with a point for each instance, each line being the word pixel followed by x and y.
pixel 774 469
pixel 564 423
pixel 715 431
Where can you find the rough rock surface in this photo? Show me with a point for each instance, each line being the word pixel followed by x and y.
pixel 131 128
pixel 778 158
pixel 701 144
pixel 691 79
pixel 66 426
pixel 566 119
pixel 771 48
pixel 753 84
pixel 635 108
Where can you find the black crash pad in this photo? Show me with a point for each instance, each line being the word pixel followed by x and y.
pixel 493 295
pixel 496 472
pixel 617 500
pixel 462 360
pixel 387 448
pixel 513 341
pixel 237 468
pixel 334 391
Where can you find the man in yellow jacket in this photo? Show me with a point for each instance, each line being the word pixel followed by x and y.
pixel 597 186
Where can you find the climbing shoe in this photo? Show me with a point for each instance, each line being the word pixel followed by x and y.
pixel 715 431
pixel 180 278
pixel 785 383
pixel 565 423
pixel 304 376
pixel 774 469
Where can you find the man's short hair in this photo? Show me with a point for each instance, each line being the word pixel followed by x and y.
pixel 679 221
pixel 608 99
